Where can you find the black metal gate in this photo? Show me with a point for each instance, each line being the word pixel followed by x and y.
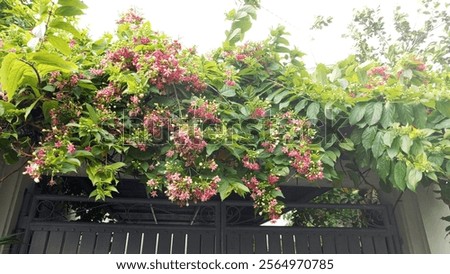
pixel 71 224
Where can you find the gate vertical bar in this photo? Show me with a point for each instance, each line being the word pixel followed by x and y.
pixel 29 218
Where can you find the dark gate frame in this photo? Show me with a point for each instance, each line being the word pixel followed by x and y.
pixel 158 226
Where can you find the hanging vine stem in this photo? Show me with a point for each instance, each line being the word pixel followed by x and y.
pixel 363 176
pixel 3 179
pixel 178 101
pixel 47 23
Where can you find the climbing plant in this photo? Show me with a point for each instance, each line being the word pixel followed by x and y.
pixel 242 119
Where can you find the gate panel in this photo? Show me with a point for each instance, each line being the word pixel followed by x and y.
pixel 59 224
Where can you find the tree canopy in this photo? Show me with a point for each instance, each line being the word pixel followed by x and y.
pixel 244 118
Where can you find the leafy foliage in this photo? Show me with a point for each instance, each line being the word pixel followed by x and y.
pixel 243 119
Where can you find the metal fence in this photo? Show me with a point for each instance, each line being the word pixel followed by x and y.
pixel 71 224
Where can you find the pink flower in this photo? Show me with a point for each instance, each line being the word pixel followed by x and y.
pixel 152 183
pixel 58 144
pixel 258 113
pixel 72 43
pixel 421 67
pixel 250 165
pixel 88 148
pixel 240 57
pixel 71 148
pixel 96 72
pixel 213 165
pixel 134 99
pixel 32 169
pixel 154 194
pixel 170 153
pixel 230 83
pixel 273 179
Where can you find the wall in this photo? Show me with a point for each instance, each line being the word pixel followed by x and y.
pixel 11 194
pixel 432 210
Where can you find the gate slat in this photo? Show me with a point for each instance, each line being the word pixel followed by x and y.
pixel 260 243
pixel 341 245
pixel 233 243
pixel 149 245
pixel 208 243
pixel 38 242
pixel 301 243
pixel 367 245
pixel 71 242
pixel 178 245
pixel 55 242
pixel 87 243
pixel 103 243
pixel 315 245
pixel 193 244
pixel 164 243
pixel 118 243
pixel 246 243
pixel 329 244
pixel 354 245
pixel 380 245
pixel 288 243
pixel 134 243
pixel 274 243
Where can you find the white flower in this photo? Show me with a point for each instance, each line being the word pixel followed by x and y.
pixel 33 43
pixel 39 33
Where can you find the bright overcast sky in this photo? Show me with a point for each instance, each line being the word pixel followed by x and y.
pixel 202 22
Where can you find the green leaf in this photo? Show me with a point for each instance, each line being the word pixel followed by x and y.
pixel 92 113
pixel 5 106
pixel 405 143
pixel 405 113
pixel 227 91
pixel 60 44
pixel 10 157
pixel 400 175
pixel 443 125
pixel 414 177
pixel 283 105
pixel 368 136
pixel 394 149
pixel 31 107
pixel 59 24
pixel 116 166
pixel 420 116
pixel 276 193
pixel 312 110
pixel 277 99
pixel 224 189
pixel 347 145
pixel 383 167
pixel 47 106
pixel 83 154
pixel 54 61
pixel 12 73
pixel 387 118
pixel 240 188
pixel 357 114
pixel 68 11
pixel 378 146
pixel 443 106
pixel 388 138
pixel 73 3
pixel 321 74
pixel 210 148
pixel 373 113
pixel 300 106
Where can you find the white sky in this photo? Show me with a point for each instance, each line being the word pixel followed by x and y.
pixel 202 22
